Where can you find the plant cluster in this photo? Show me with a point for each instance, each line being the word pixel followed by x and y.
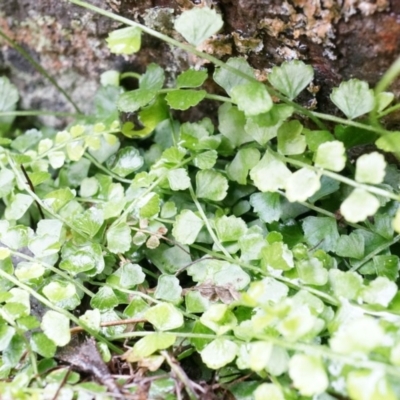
pixel 257 250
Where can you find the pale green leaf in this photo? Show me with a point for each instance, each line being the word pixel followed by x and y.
pixel 42 345
pixel 353 98
pixel 370 168
pixel 131 275
pixel 153 78
pixel 345 284
pixel 206 160
pixel 359 206
pixel 270 174
pixel 148 345
pixel 198 24
pixel 187 226
pixel 244 160
pixel 59 198
pixel 104 299
pixel 211 185
pixel 191 78
pixel 268 391
pixel 125 40
pixel 384 99
pixel 126 161
pixel 308 374
pixel 230 228
pixel 290 140
pixel 133 100
pixel 119 238
pixel 291 77
pixel 164 316
pixel 312 272
pixel 278 256
pixel 89 222
pixel 369 385
pixel 184 99
pixel 57 291
pixel 26 271
pixel 178 179
pixel 228 80
pixel 302 184
pixel 56 327
pixel 168 289
pixel 380 291
pixel 6 334
pixel 18 206
pixel 92 319
pixel 331 155
pixel 231 124
pixel 8 102
pixel 7 181
pixel 219 353
pixel 252 98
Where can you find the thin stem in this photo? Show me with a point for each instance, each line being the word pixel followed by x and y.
pixel 41 70
pixel 389 110
pixel 106 170
pixel 34 113
pixel 373 253
pixel 130 74
pixel 343 121
pixel 180 374
pixel 77 329
pixel 207 224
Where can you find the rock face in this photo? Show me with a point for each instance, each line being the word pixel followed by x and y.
pixel 340 38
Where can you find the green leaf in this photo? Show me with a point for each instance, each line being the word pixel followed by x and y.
pixel 231 124
pixel 131 275
pixel 195 302
pixel 278 256
pixel 345 284
pixel 148 345
pixel 56 327
pixel 252 98
pixel 270 174
pixel 125 40
pixel 206 160
pixel 312 272
pixel 198 24
pixel 133 100
pixel 7 182
pixel 42 345
pixel 380 291
pixel 211 185
pixel 230 228
pixel 244 160
pixel 119 238
pixel 316 138
pixel 59 198
pixel 389 142
pixel 164 316
pixel 184 99
pixel 126 161
pixel 331 155
pixel 104 299
pixel 187 226
pixel 178 179
pixel 359 206
pixel 369 385
pixel 290 140
pixel 291 77
pixel 89 222
pixel 168 289
pixel 219 353
pixel 302 184
pixel 321 232
pixel 18 206
pixel 308 374
pixel 351 246
pixel 8 102
pixel 219 273
pixel 59 291
pixel 267 206
pixel 384 99
pixel 228 80
pixel 353 98
pixel 268 391
pixel 6 334
pixel 371 168
pixel 153 78
pixel 191 78
pixel 149 205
